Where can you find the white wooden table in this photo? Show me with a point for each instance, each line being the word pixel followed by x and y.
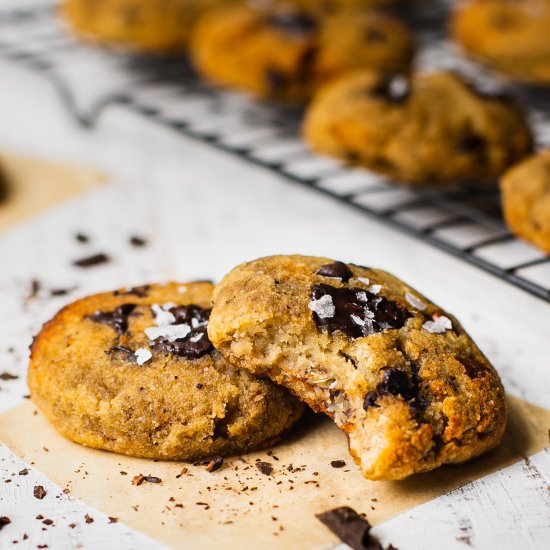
pixel 203 212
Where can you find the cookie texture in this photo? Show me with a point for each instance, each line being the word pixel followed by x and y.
pixel 510 35
pixel 432 129
pixel 149 25
pixel 134 372
pixel 396 373
pixel 285 52
pixel 526 199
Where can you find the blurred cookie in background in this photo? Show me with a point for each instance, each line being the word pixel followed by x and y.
pixel 431 129
pixel 512 36
pixel 526 199
pixel 4 186
pixel 285 52
pixel 157 26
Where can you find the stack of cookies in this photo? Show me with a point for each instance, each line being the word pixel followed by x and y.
pixel 190 371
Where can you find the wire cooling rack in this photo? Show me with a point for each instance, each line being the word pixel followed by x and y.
pixel 465 221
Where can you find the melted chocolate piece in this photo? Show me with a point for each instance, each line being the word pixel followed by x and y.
pixel 123 350
pixel 139 291
pixel 337 270
pixel 396 382
pixel 473 368
pixel 350 528
pixel 116 319
pixel 395 88
pixel 370 400
pixel 295 23
pixel 358 312
pixel 196 343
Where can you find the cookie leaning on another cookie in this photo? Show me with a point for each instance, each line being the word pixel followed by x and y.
pixel 526 199
pixel 134 372
pixel 511 36
pixel 157 26
pixel 285 53
pixel 433 129
pixel 396 373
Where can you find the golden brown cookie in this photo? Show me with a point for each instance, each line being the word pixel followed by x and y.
pixel 396 373
pixel 286 53
pixel 433 129
pixel 511 35
pixel 134 372
pixel 526 199
pixel 157 26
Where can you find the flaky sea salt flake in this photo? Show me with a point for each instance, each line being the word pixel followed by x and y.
pixel 163 317
pixel 375 289
pixel 323 307
pixel 415 302
pixel 439 325
pixel 364 280
pixel 170 332
pixel 143 355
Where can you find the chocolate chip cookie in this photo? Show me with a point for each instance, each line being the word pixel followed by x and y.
pixel 284 52
pixel 510 35
pixel 526 199
pixel 396 373
pixel 149 25
pixel 432 129
pixel 133 371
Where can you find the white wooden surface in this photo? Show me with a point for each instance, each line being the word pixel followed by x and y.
pixel 204 212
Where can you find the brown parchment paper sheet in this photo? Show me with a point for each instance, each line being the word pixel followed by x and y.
pixel 238 502
pixel 34 185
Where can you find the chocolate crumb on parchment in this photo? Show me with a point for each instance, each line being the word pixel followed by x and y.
pixel 5 376
pixel 92 261
pixel 338 463
pixel 113 519
pixel 351 528
pixel 39 492
pixel 88 519
pixel 215 464
pixel 82 238
pixel 265 468
pixel 138 241
pixel 4 520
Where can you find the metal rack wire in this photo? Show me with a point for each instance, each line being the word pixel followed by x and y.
pixel 465 221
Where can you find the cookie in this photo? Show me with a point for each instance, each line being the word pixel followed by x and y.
pixel 526 199
pixel 134 372
pixel 285 53
pixel 432 129
pixel 148 25
pixel 396 373
pixel 511 36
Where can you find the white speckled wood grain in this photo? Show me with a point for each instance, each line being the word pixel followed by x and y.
pixel 203 212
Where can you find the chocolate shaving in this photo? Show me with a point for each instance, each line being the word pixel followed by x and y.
pixel 4 520
pixel 265 467
pixel 92 261
pixel 215 464
pixel 39 492
pixel 351 528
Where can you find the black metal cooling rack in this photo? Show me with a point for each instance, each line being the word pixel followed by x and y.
pixel 465 221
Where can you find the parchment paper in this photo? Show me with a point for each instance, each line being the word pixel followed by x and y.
pixel 34 185
pixel 237 506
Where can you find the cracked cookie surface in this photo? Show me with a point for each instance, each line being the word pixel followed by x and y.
pixel 284 52
pixel 526 199
pixel 396 373
pixel 134 372
pixel 432 129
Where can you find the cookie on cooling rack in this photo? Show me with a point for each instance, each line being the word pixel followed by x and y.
pixel 157 26
pixel 526 199
pixel 431 129
pixel 513 36
pixel 134 372
pixel 284 52
pixel 396 373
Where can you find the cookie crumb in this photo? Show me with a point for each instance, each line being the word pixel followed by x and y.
pixel 215 464
pixel 265 468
